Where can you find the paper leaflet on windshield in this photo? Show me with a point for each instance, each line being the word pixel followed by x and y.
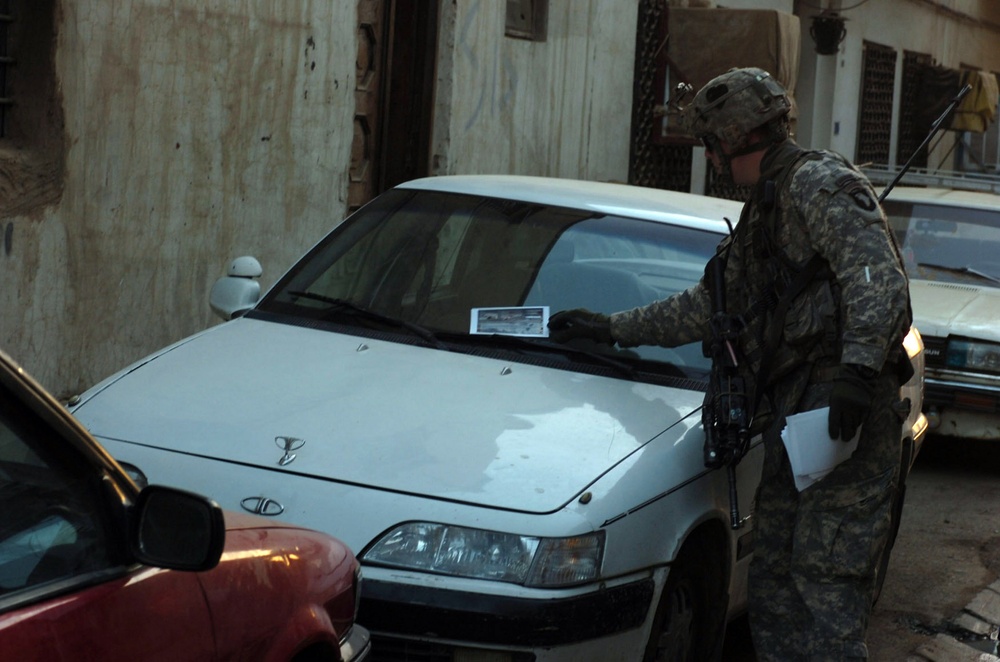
pixel 530 321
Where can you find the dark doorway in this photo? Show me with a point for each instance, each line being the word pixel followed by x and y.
pixel 409 95
pixel 394 95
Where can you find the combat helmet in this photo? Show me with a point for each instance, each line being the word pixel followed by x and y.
pixel 732 105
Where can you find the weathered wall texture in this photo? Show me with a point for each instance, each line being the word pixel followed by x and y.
pixel 561 107
pixel 200 130
pixel 196 131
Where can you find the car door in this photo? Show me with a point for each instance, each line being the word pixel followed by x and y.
pixel 67 589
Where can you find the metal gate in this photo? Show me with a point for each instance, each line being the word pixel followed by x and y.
pixel 875 114
pixel 653 163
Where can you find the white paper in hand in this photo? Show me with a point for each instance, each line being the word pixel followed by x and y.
pixel 811 451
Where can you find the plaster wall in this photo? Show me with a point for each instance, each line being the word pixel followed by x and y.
pixel 196 131
pixel 953 32
pixel 560 107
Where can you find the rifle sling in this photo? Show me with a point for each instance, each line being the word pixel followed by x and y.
pixel 795 287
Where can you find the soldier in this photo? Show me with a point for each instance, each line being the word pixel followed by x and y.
pixel 813 275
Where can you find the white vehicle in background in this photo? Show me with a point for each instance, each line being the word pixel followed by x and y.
pixel 510 498
pixel 950 240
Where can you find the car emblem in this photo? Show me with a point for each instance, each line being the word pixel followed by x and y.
pixel 262 506
pixel 288 444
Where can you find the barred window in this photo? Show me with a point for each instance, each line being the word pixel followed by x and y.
pixel 875 114
pixel 911 131
pixel 32 130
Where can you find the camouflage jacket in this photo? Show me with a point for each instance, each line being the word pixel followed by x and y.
pixel 856 312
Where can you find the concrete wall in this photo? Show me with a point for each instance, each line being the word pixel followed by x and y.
pixel 195 130
pixel 198 131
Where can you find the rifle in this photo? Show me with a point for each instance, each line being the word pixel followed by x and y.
pixel 726 412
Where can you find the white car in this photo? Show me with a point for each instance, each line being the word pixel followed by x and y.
pixel 509 498
pixel 951 243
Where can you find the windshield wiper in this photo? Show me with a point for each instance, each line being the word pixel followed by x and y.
pixel 544 344
pixel 965 271
pixel 351 308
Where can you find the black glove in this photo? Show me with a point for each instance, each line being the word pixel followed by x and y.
pixel 569 325
pixel 850 400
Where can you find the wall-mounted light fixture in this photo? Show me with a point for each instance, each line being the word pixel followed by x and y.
pixel 828 31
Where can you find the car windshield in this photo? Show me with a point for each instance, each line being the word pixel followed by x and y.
pixel 53 525
pixel 424 260
pixel 947 243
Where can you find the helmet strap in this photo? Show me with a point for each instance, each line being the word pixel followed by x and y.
pixel 777 132
pixel 752 147
pixel 726 169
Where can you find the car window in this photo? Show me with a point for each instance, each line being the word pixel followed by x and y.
pixel 946 243
pixel 52 526
pixel 429 258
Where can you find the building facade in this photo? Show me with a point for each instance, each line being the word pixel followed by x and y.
pixel 145 143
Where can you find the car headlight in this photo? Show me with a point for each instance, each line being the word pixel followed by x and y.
pixel 977 356
pixel 481 554
pixel 913 343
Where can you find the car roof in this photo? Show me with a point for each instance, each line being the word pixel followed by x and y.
pixel 688 209
pixel 945 196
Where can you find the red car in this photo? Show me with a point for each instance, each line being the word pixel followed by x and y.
pixel 93 568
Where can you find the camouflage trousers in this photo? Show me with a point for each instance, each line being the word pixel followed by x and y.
pixel 816 552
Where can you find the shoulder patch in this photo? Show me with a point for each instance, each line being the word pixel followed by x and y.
pixel 859 191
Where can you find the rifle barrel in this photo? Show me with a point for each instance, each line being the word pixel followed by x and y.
pixel 734 504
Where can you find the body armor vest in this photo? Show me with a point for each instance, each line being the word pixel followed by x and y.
pixel 789 311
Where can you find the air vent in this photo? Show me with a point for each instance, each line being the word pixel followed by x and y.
pixel 954 286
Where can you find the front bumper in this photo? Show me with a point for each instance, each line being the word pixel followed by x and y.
pixel 948 390
pixel 505 620
pixel 357 646
pixel 962 409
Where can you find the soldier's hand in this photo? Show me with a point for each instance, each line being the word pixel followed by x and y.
pixel 850 401
pixel 569 325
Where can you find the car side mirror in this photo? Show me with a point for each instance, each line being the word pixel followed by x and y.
pixel 238 291
pixel 177 530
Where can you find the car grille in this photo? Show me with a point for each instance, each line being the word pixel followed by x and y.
pixel 391 649
pixel 935 351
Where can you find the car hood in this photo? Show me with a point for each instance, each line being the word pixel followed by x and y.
pixel 236 521
pixel 943 309
pixel 382 414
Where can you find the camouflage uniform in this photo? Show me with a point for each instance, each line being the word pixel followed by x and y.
pixel 815 552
